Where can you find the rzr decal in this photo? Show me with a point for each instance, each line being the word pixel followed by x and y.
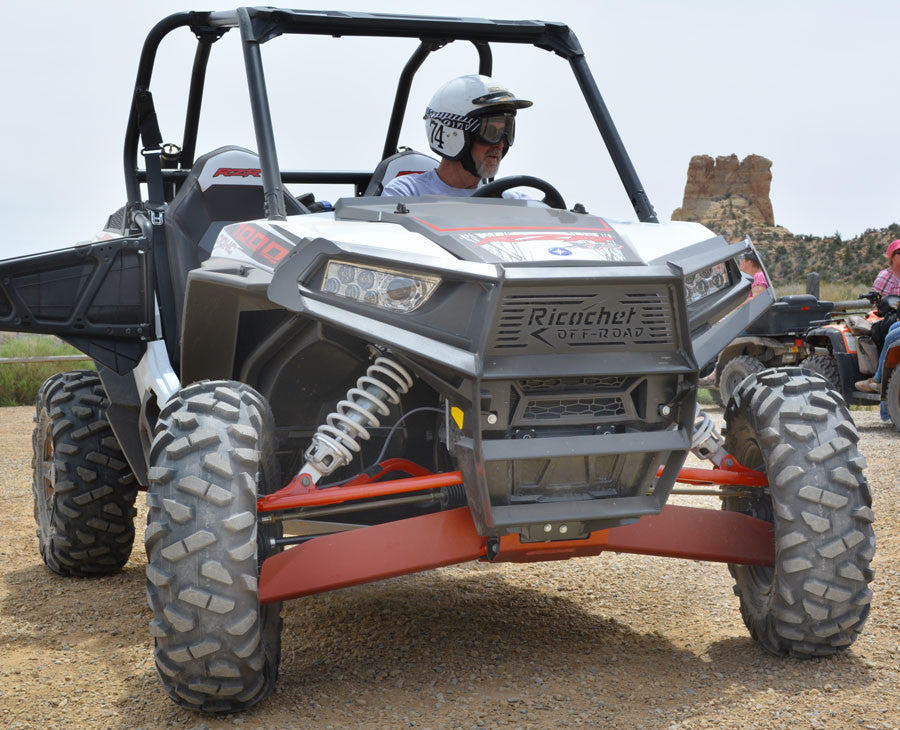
pixel 237 172
pixel 259 245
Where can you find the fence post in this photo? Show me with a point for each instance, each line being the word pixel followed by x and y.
pixel 812 284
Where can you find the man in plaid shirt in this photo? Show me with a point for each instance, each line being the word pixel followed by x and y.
pixel 888 280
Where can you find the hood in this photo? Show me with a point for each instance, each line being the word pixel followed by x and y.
pixel 478 230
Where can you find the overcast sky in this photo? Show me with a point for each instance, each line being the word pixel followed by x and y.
pixel 813 86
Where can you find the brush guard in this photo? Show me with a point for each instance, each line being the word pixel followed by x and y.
pixel 448 537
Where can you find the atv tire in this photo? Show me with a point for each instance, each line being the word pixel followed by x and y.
pixel 84 490
pixel 733 373
pixel 217 648
pixel 826 366
pixel 796 428
pixel 716 395
pixel 892 398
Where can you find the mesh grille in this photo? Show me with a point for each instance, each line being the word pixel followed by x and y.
pixel 116 222
pixel 558 409
pixel 556 385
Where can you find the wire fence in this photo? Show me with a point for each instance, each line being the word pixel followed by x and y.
pixel 43 358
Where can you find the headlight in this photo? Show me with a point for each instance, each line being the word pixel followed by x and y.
pixel 399 291
pixel 705 282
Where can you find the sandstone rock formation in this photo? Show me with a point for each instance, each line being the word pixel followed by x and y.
pixel 723 191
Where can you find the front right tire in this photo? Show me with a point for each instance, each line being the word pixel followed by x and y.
pixel 217 648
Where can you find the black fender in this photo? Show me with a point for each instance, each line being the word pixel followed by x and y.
pixel 830 338
pixel 763 348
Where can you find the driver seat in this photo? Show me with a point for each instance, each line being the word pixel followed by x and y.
pixel 405 162
pixel 224 186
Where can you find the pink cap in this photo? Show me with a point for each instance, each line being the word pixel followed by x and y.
pixel 894 246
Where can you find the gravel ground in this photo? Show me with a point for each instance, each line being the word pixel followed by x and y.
pixel 621 641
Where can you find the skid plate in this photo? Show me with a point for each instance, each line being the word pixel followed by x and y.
pixel 446 538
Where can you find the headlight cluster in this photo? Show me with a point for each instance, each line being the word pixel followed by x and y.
pixel 399 291
pixel 705 282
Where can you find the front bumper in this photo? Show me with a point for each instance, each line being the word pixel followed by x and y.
pixel 566 388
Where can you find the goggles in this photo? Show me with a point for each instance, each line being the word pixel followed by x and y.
pixel 491 129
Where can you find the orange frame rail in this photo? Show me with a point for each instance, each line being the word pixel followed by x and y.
pixel 444 538
pixel 301 492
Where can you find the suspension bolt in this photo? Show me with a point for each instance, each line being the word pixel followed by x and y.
pixel 563 529
pixel 548 527
pixel 729 462
pixel 665 410
pixel 492 418
pixel 305 480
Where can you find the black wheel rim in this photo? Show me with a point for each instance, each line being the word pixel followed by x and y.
pixel 48 471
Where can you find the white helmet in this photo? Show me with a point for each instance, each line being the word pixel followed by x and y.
pixel 467 109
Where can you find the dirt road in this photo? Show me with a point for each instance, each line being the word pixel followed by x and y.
pixel 617 641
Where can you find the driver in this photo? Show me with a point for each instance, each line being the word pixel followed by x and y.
pixel 471 124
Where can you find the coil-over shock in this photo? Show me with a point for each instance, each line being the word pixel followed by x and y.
pixel 707 442
pixel 336 440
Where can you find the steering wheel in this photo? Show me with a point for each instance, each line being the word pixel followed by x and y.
pixel 496 188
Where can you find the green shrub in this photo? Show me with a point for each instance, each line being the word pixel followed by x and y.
pixel 19 382
pixel 704 397
pixel 829 291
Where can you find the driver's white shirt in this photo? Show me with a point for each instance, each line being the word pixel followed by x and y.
pixel 429 183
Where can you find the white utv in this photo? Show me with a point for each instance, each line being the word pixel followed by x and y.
pixel 315 396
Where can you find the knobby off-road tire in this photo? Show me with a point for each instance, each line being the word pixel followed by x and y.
pixel 716 395
pixel 733 373
pixel 892 398
pixel 826 366
pixel 84 490
pixel 796 428
pixel 217 649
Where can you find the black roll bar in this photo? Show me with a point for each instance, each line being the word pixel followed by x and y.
pixel 262 122
pixel 485 59
pixel 425 48
pixel 195 98
pixel 142 84
pixel 404 84
pixel 258 25
pixel 639 200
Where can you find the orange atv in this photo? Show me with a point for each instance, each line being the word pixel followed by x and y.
pixel 843 352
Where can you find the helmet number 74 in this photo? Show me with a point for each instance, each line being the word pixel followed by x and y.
pixel 437 133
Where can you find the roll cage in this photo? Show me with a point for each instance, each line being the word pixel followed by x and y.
pixel 164 172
